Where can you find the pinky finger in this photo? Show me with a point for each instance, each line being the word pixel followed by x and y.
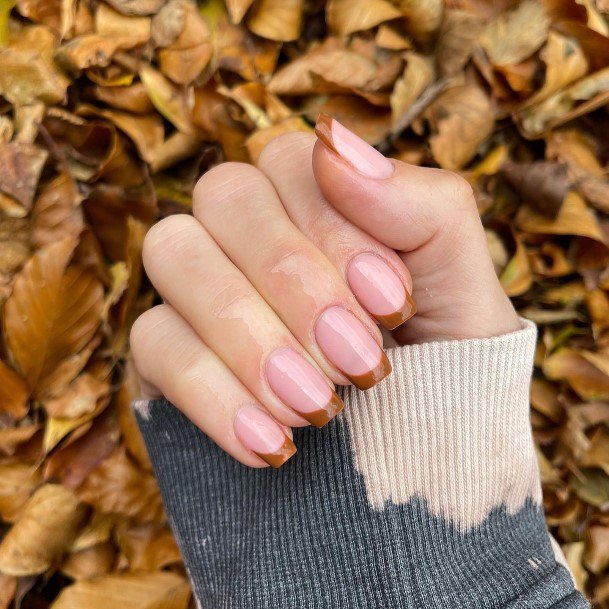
pixel 173 361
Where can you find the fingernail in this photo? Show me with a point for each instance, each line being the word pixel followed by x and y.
pixel 300 386
pixel 351 148
pixel 347 343
pixel 379 290
pixel 258 432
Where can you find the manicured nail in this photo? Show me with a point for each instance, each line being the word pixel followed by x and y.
pixel 347 343
pixel 257 431
pixel 378 289
pixel 359 154
pixel 300 386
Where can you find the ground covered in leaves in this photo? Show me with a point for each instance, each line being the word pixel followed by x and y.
pixel 108 113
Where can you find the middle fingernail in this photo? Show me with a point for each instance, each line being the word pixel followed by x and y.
pixel 347 343
pixel 296 382
pixel 378 288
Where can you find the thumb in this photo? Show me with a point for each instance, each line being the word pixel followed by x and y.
pixel 430 217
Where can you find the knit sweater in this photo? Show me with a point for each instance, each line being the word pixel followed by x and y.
pixel 423 493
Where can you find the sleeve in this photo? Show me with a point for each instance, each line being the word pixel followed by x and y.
pixel 425 492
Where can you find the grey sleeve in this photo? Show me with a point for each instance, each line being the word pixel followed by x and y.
pixel 424 493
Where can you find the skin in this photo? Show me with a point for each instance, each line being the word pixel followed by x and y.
pixel 266 252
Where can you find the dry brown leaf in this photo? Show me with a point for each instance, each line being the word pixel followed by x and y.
pixel 516 277
pixel 148 547
pixel 17 482
pixel 20 168
pixel 596 556
pixel 586 379
pixel 278 20
pixel 79 399
pixel 462 118
pixel 113 24
pixel 161 590
pixel 237 9
pixel 173 104
pixel 516 35
pixel 54 306
pixel 8 587
pixel 388 38
pixel 12 437
pixel 137 7
pixel 57 213
pixel 424 17
pixel 14 392
pixel 456 40
pixel 117 486
pixel 132 98
pixel 339 66
pixel 90 563
pixel 349 16
pixel 27 70
pixel 258 140
pixel 574 218
pixel 44 531
pixel 185 58
pixel 418 74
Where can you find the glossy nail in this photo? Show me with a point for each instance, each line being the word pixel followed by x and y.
pixel 347 343
pixel 261 434
pixel 351 148
pixel 299 385
pixel 379 290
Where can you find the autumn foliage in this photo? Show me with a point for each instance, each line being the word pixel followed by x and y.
pixel 109 111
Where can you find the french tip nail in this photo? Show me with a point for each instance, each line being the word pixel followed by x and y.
pixel 277 458
pixel 394 320
pixel 375 376
pixel 323 130
pixel 323 416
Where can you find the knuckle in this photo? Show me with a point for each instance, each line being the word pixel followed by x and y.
pixel 224 184
pixel 458 190
pixel 286 254
pixel 284 147
pixel 171 237
pixel 144 335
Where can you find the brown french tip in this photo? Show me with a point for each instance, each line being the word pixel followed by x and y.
pixel 370 379
pixel 324 415
pixel 393 320
pixel 323 130
pixel 279 457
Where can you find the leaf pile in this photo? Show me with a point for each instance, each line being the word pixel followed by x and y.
pixel 110 110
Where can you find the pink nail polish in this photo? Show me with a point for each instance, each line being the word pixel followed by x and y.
pixel 261 434
pixel 358 153
pixel 299 385
pixel 378 288
pixel 347 343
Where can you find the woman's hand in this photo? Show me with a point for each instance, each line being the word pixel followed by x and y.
pixel 274 287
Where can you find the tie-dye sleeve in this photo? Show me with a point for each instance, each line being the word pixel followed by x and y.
pixel 424 493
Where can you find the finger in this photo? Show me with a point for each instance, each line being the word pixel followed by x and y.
pixel 239 207
pixel 197 382
pixel 193 275
pixel 429 216
pixel 375 273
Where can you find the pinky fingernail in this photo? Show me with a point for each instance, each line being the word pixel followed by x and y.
pixel 261 434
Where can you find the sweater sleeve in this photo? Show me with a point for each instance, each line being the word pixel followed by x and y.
pixel 425 492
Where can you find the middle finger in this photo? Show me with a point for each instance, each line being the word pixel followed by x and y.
pixel 239 207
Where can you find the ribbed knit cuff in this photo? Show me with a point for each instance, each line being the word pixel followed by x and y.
pixel 450 426
pixel 424 493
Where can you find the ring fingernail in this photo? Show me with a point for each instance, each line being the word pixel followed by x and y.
pixel 378 288
pixel 348 345
pixel 296 382
pixel 258 432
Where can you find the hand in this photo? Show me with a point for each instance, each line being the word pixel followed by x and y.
pixel 272 289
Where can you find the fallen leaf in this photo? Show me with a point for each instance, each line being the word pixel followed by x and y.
pixel 457 38
pixel 258 140
pixel 424 17
pixel 14 392
pixel 276 19
pixel 148 547
pixel 586 379
pixel 161 590
pixel 514 36
pixel 574 218
pixel 116 486
pixel 516 277
pixel 20 168
pixel 17 482
pixel 12 437
pixel 44 531
pixel 54 306
pixel 137 7
pixel 90 563
pixel 596 555
pixel 593 487
pixel 349 16
pixel 462 119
